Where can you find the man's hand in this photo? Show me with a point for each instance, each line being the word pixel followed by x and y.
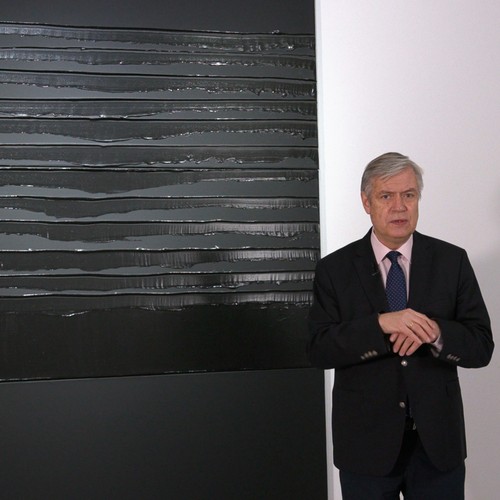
pixel 408 330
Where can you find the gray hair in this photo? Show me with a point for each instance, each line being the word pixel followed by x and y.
pixel 388 165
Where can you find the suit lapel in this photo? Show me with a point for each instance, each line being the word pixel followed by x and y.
pixel 420 273
pixel 369 275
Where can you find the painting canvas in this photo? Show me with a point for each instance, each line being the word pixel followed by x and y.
pixel 158 198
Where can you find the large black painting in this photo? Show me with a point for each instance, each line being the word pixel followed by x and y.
pixel 158 198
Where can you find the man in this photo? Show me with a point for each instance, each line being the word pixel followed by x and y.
pixel 398 422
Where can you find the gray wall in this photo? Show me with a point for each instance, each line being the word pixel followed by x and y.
pixel 421 77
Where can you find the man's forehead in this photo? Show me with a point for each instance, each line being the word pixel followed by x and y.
pixel 402 181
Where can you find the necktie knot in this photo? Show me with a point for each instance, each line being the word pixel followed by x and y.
pixel 393 256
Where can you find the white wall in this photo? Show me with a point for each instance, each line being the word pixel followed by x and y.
pixel 420 77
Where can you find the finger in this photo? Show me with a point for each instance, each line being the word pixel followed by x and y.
pixel 436 331
pixel 427 324
pixel 412 349
pixel 413 332
pixel 423 332
pixel 398 343
pixel 402 344
pixel 409 347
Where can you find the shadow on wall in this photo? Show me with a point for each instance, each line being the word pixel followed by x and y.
pixel 480 390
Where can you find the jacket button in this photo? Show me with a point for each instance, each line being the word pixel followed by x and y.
pixel 402 404
pixel 404 362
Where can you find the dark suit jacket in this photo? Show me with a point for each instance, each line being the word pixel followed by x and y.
pixel 371 382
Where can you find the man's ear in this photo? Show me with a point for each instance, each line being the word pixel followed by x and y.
pixel 366 202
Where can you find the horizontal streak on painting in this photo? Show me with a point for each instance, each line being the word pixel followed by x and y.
pixel 18 35
pixel 195 132
pixel 107 231
pixel 168 283
pixel 59 304
pixel 158 209
pixel 36 85
pixel 104 184
pixel 143 262
pixel 249 109
pixel 159 63
pixel 155 158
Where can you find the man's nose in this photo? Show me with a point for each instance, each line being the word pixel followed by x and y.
pixel 398 203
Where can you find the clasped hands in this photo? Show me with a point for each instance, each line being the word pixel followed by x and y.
pixel 408 330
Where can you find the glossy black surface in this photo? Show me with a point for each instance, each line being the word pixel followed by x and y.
pixel 137 341
pixel 158 190
pixel 224 436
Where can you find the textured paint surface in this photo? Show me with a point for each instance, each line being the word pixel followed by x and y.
pixel 165 177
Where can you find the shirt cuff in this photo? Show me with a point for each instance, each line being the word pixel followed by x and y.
pixel 437 346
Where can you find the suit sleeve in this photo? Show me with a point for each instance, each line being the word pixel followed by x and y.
pixel 340 336
pixel 467 337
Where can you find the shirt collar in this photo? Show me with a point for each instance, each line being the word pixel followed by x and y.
pixel 380 250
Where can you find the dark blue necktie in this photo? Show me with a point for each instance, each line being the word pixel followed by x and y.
pixel 395 286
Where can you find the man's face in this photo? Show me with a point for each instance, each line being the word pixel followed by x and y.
pixel 393 207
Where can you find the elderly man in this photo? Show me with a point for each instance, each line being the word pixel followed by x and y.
pixel 395 314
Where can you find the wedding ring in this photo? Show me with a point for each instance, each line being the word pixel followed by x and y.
pixel 409 325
